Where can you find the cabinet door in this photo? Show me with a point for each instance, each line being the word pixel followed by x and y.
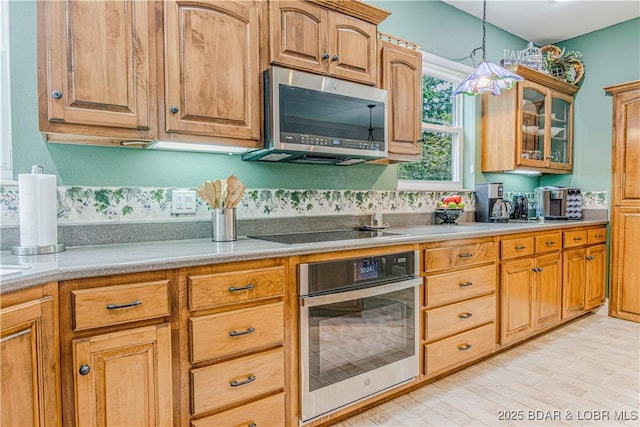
pixel 352 44
pixel 573 282
pixel 401 76
pixel 596 276
pixel 559 130
pixel 534 116
pixel 626 149
pixel 547 305
pixel 124 378
pixel 211 69
pixel 299 35
pixel 624 292
pixel 28 361
pixel 517 292
pixel 97 67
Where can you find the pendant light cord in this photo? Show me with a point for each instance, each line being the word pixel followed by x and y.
pixel 484 29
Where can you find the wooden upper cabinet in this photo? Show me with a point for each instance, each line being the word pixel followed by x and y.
pixel 529 127
pixel 299 35
pixel 400 73
pixel 96 73
pixel 626 144
pixel 212 75
pixel 312 38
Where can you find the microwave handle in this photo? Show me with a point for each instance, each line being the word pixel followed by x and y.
pixel 359 293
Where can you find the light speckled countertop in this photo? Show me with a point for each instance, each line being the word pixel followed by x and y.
pixel 90 261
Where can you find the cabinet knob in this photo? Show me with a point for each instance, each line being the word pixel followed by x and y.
pixel 174 109
pixel 84 369
pixel 590 258
pixel 335 58
pixel 56 94
pixel 325 55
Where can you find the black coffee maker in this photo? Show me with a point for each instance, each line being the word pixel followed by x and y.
pixel 490 206
pixel 520 206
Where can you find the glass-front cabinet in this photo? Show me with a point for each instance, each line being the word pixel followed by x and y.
pixel 529 128
pixel 546 129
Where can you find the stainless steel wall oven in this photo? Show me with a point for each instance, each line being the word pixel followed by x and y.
pixel 358 329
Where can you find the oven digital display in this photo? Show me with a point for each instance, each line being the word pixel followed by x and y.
pixel 366 270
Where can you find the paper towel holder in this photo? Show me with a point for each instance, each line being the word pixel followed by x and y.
pixel 37 250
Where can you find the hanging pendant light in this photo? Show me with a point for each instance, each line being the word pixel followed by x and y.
pixel 487 77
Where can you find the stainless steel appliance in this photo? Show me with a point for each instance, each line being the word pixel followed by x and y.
pixel 316 119
pixel 358 329
pixel 490 205
pixel 558 202
pixel 324 236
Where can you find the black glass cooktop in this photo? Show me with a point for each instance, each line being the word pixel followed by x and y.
pixel 322 236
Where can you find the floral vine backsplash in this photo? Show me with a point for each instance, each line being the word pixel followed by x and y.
pixel 77 205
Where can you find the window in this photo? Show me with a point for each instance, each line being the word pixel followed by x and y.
pixel 442 134
pixel 6 162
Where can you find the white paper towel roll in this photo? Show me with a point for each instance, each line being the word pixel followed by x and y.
pixel 38 209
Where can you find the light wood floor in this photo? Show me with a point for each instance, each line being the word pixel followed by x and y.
pixel 586 373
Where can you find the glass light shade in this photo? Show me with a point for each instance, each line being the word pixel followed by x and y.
pixel 487 77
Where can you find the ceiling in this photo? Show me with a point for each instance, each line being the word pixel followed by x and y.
pixel 548 21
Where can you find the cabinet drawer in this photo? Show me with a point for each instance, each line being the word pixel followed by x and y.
pixel 512 248
pixel 455 318
pixel 113 305
pixel 459 349
pixel 459 256
pixel 236 331
pixel 574 238
pixel 251 376
pixel 548 242
pixel 598 235
pixel 264 412
pixel 219 289
pixel 459 285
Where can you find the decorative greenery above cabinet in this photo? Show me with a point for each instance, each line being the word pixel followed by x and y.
pixel 529 128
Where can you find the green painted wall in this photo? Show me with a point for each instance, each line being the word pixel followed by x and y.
pixel 610 56
pixel 439 28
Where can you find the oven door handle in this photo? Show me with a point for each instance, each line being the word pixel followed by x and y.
pixel 359 293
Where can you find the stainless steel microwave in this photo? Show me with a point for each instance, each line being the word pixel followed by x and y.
pixel 317 119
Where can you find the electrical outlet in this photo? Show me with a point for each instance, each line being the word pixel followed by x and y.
pixel 183 202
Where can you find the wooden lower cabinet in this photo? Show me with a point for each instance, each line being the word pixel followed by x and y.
pixel 234 364
pixel 459 309
pixel 117 351
pixel 530 285
pixel 584 278
pixel 624 291
pixel 29 358
pixel 264 412
pixel 124 378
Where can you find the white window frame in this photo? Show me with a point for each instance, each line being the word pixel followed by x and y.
pixel 6 159
pixel 445 69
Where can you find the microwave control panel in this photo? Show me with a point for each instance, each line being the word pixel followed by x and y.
pixel 309 139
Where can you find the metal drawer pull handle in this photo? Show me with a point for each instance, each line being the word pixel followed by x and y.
pixel 519 248
pixel 244 288
pixel 549 243
pixel 577 239
pixel 466 255
pixel 464 285
pixel 590 258
pixel 465 315
pixel 599 236
pixel 464 347
pixel 236 333
pixel 250 379
pixel 118 306
pixel 252 425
